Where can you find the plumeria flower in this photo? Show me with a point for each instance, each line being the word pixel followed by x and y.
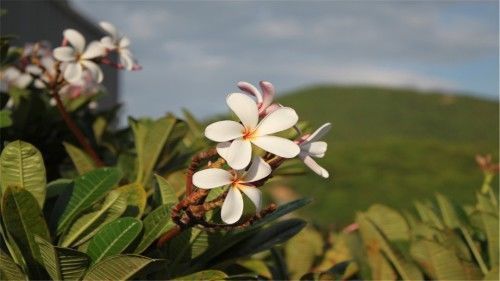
pixel 238 181
pixel 13 77
pixel 310 147
pixel 264 98
pixel 77 57
pixel 118 43
pixel 43 77
pixel 236 139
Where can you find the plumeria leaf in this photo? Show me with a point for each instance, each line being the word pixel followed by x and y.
pixel 167 191
pixel 207 275
pixel 155 224
pixel 120 267
pixel 23 220
pixel 81 160
pixel 21 166
pixel 62 263
pixel 114 238
pixel 5 118
pixel 89 188
pixel 9 270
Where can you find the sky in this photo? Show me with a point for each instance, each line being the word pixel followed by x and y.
pixel 194 52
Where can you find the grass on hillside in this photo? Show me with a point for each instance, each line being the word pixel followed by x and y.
pixel 393 147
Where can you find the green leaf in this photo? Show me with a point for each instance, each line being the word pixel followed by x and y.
pixel 206 275
pixel 62 263
pixel 265 239
pixel 448 213
pixel 9 270
pixel 155 224
pixel 137 196
pixel 302 251
pixel 428 215
pixel 5 119
pixel 121 267
pixel 438 262
pixel 22 167
pixel 194 125
pixel 57 187
pixel 282 210
pixel 150 138
pixel 390 222
pixel 89 222
pixel 83 163
pixel 89 188
pixel 23 220
pixel 488 223
pixel 492 274
pixel 114 238
pixel 167 192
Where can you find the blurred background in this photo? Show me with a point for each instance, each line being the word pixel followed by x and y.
pixel 411 88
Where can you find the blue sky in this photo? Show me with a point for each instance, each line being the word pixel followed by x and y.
pixel 194 52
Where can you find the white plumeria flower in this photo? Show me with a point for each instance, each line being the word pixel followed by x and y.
pixel 238 181
pixel 310 147
pixel 13 77
pixel 118 43
pixel 264 98
pixel 43 77
pixel 236 139
pixel 77 57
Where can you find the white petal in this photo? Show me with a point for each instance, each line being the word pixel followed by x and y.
pixel 75 38
pixel 245 108
pixel 268 93
pixel 258 170
pixel 276 145
pixel 33 69
pixel 108 42
pixel 239 154
pixel 94 50
pixel 249 88
pixel 73 72
pixel 126 59
pixel 23 81
pixel 254 194
pixel 211 178
pixel 319 133
pixel 232 208
pixel 39 84
pixel 124 42
pixel 94 69
pixel 223 149
pixel 281 119
pixel 315 149
pixel 315 167
pixel 109 28
pixel 224 130
pixel 65 54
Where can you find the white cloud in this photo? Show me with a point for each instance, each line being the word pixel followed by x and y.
pixel 191 55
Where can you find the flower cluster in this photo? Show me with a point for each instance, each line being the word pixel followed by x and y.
pixel 78 63
pixel 259 120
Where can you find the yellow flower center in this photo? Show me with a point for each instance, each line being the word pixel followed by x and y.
pixel 248 134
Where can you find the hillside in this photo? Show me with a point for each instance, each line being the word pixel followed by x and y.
pixel 393 146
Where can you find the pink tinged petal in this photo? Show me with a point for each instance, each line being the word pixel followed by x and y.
pixel 276 145
pixel 279 120
pixel 254 194
pixel 73 72
pixel 268 93
pixel 109 28
pixel 94 69
pixel 124 42
pixel 211 178
pixel 245 108
pixel 315 167
pixel 75 38
pixel 258 170
pixel 232 208
pixel 64 54
pixel 126 59
pixel 319 133
pixel 108 43
pixel 315 149
pixel 239 154
pixel 224 130
pixel 272 108
pixel 94 50
pixel 249 88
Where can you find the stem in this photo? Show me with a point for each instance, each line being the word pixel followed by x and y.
pixel 76 131
pixel 169 235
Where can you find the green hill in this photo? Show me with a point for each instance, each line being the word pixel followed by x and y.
pixel 393 146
